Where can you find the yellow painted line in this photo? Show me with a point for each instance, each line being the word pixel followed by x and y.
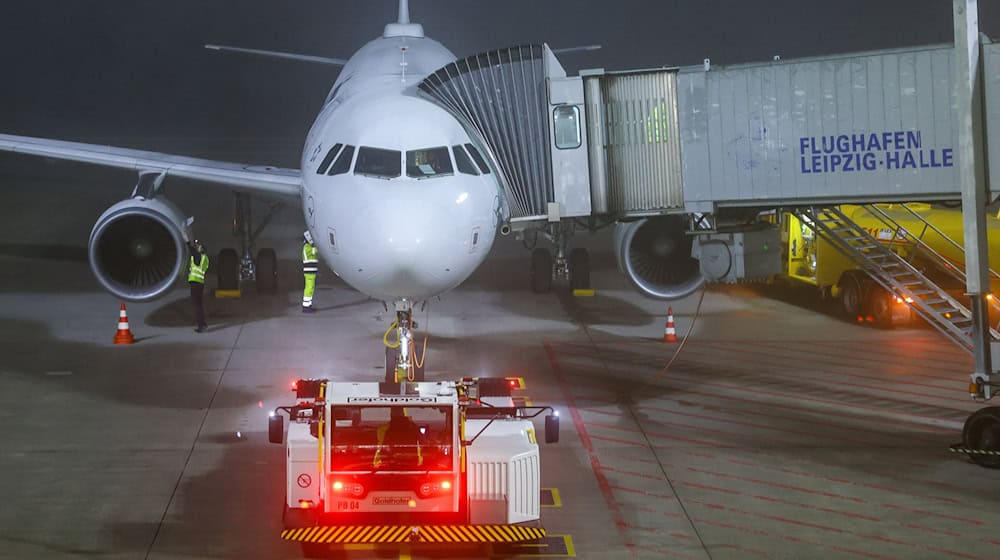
pixel 556 499
pixel 579 292
pixel 227 293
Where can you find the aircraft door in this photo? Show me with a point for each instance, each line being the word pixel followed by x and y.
pixel 568 146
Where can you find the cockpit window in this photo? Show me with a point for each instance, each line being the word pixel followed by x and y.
pixel 462 161
pixel 343 163
pixel 474 152
pixel 428 162
pixel 376 162
pixel 328 159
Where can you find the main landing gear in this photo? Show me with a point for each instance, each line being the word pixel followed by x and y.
pixel 232 267
pixel 572 269
pixel 401 360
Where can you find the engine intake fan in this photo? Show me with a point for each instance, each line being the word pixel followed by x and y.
pixel 137 248
pixel 655 255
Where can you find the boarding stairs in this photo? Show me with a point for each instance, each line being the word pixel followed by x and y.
pixel 895 273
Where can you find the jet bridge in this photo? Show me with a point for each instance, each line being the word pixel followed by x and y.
pixel 678 157
pixel 682 159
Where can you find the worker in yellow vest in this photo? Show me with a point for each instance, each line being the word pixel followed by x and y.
pixel 197 269
pixel 310 266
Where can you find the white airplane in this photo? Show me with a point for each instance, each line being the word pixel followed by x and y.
pixel 401 202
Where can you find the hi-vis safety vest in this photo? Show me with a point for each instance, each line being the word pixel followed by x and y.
pixel 310 259
pixel 197 272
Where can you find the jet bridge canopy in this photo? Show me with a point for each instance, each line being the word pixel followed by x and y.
pixel 518 104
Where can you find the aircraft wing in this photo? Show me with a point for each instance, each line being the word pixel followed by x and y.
pixel 257 178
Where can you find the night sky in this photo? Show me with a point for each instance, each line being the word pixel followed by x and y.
pixel 113 69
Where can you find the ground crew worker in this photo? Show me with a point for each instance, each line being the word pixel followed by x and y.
pixel 310 266
pixel 402 436
pixel 197 269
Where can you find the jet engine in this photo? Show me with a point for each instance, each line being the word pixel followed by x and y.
pixel 137 248
pixel 655 255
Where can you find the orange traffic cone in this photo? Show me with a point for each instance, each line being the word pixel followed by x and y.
pixel 669 332
pixel 124 335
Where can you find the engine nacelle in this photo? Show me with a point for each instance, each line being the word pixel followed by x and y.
pixel 655 255
pixel 137 248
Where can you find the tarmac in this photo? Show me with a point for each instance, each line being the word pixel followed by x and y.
pixel 772 429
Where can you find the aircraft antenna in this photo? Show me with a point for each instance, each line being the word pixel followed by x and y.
pixel 404 11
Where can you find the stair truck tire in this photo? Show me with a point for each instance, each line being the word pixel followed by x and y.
pixel 982 432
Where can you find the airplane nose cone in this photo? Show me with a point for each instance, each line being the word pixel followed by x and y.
pixel 417 242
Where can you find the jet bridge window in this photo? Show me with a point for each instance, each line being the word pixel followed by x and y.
pixel 463 162
pixel 428 162
pixel 325 164
pixel 343 163
pixel 566 125
pixel 474 152
pixel 376 162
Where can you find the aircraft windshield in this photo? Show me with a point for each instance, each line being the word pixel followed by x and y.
pixel 428 162
pixel 376 162
pixel 371 438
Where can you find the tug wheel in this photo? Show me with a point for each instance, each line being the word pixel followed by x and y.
pixel 982 432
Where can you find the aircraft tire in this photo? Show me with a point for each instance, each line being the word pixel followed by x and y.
pixel 228 270
pixel 982 431
pixel 541 271
pixel 579 269
pixel 267 272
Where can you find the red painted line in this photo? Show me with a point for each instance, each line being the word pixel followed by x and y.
pixel 789 538
pixel 817 508
pixel 588 410
pixel 806 474
pixel 734 422
pixel 931 529
pixel 836 378
pixel 739 548
pixel 779 485
pixel 616 440
pixel 660 435
pixel 658 478
pixel 912 367
pixel 709 488
pixel 836 413
pixel 935 514
pixel 665 552
pixel 595 463
pixel 778 518
pixel 643 492
pixel 646 509
pixel 781 394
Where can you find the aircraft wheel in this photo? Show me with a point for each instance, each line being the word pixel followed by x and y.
pixel 851 297
pixel 267 272
pixel 228 270
pixel 541 271
pixel 579 269
pixel 982 432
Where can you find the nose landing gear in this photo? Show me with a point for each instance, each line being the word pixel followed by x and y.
pixel 573 270
pixel 401 360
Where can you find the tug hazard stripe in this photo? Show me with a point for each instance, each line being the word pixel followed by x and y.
pixel 414 533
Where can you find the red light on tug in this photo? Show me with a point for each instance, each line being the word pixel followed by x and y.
pixel 432 488
pixel 354 488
